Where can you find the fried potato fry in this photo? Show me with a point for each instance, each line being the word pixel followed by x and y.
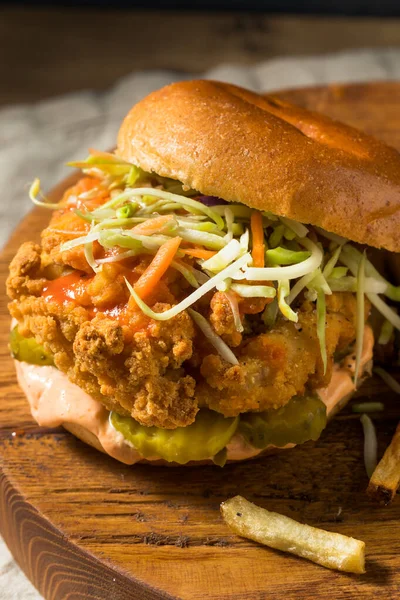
pixel 385 480
pixel 326 548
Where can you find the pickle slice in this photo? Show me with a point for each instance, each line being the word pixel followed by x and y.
pixel 221 458
pixel 299 421
pixel 28 350
pixel 203 439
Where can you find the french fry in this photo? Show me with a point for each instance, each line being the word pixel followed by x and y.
pixel 326 548
pixel 385 480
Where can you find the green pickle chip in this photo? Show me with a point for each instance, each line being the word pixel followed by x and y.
pixel 299 421
pixel 203 439
pixel 28 350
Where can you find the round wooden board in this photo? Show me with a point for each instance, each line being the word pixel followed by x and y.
pixel 83 526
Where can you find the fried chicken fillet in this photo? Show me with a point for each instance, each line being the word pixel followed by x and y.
pixel 162 372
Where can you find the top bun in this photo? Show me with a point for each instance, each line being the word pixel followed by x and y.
pixel 226 141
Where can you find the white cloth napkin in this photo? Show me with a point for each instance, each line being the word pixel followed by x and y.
pixel 36 140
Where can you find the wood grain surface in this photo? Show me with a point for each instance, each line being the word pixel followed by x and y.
pixel 83 526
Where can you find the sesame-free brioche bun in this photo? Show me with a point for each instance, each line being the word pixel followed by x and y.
pixel 226 141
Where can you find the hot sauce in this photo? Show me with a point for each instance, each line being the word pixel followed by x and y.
pixel 69 288
pixel 73 288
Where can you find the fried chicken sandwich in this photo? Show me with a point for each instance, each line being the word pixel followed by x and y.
pixel 203 293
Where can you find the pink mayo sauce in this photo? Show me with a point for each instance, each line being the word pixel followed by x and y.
pixel 54 400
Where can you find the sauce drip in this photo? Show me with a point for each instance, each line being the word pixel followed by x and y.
pixel 73 288
pixel 68 288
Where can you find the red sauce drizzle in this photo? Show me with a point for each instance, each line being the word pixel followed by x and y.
pixel 69 288
pixel 72 288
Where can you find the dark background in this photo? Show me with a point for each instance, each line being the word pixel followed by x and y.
pixel 340 7
pixel 61 47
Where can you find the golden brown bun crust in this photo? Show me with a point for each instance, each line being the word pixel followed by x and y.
pixel 225 141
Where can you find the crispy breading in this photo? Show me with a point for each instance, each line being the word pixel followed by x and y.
pixel 133 367
pixel 340 331
pixel 143 378
pixel 221 318
pixel 273 367
pixel 221 315
pixel 25 270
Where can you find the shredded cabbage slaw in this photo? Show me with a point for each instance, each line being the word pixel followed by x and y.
pixel 140 217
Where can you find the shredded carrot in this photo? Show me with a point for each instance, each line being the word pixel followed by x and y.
pixel 154 225
pixel 199 252
pixel 158 266
pixel 257 232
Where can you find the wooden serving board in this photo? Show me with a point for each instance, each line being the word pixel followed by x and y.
pixel 83 526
